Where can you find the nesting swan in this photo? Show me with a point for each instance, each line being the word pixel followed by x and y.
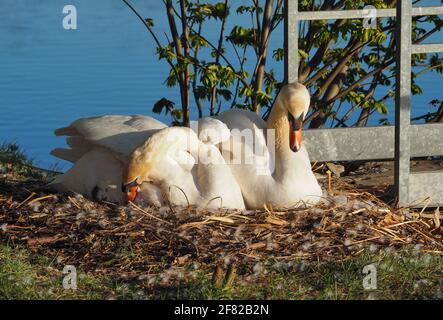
pixel 119 158
pixel 278 172
pixel 192 171
pixel 144 157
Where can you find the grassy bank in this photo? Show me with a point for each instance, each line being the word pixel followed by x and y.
pixel 15 164
pixel 401 275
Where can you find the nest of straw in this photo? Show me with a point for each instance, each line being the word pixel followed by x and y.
pixel 126 241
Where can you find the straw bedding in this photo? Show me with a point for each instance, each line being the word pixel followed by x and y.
pixel 128 241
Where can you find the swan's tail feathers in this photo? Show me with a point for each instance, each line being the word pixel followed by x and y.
pixel 79 144
pixel 78 147
pixel 71 155
pixel 66 131
pixel 76 141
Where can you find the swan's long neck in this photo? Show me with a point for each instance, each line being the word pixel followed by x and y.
pixel 278 121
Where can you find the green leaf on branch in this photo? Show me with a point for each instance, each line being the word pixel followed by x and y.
pixel 381 107
pixel 249 9
pixel 225 93
pixel 263 98
pixel 278 54
pixel 171 80
pixel 149 22
pixel 303 54
pixel 163 104
pixel 243 37
pixel 166 53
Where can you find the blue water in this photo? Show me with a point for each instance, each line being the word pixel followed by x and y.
pixel 50 76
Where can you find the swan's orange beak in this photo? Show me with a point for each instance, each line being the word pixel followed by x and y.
pixel 295 133
pixel 131 190
pixel 131 194
pixel 296 139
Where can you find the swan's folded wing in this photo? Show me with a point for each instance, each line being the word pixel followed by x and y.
pixel 119 134
pixel 210 130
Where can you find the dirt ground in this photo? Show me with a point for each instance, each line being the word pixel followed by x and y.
pixel 378 177
pixel 382 173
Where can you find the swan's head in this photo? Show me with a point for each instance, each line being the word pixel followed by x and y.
pixel 148 162
pixel 137 171
pixel 295 98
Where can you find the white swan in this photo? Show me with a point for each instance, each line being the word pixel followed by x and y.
pixel 288 179
pixel 181 165
pixel 100 148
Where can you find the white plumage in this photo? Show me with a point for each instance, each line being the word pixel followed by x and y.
pixel 100 148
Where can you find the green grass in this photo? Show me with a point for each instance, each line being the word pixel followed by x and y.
pixel 13 161
pixel 401 275
pixel 24 275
